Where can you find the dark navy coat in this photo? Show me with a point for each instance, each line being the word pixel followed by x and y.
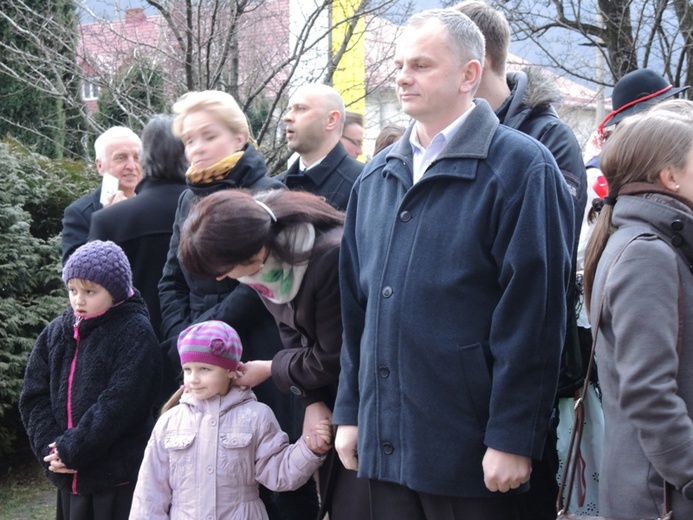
pixel 453 303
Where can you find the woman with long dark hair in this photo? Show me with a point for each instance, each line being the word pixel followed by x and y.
pixel 285 245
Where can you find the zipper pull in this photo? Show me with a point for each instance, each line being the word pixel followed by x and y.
pixel 75 330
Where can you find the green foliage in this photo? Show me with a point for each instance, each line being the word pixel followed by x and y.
pixel 33 192
pixel 27 111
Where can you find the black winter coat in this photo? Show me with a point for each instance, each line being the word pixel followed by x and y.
pixel 76 222
pixel 116 380
pixel 331 179
pixel 143 226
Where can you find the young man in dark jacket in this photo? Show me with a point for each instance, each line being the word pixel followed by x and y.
pixel 523 100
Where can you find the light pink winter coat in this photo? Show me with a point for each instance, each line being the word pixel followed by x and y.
pixel 205 459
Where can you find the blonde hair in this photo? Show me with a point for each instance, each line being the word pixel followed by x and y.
pixel 220 104
pixel 641 147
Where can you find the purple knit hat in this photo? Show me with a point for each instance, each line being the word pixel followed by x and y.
pixel 212 342
pixel 103 263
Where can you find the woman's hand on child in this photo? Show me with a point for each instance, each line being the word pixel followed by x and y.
pixel 252 373
pixel 323 431
pixel 54 463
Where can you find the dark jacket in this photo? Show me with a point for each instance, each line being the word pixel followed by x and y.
pixel 529 109
pixel 76 222
pixel 143 226
pixel 186 299
pixel 308 366
pixel 116 380
pixel 453 306
pixel 332 178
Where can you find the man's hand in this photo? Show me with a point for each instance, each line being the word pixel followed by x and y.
pixel 505 471
pixel 346 444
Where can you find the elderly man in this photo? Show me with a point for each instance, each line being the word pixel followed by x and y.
pixel 117 153
pixel 314 123
pixel 453 274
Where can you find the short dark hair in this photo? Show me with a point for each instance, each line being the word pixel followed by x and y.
pixel 163 154
pixel 353 118
pixel 388 135
pixel 494 26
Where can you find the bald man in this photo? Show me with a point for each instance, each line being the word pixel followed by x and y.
pixel 314 123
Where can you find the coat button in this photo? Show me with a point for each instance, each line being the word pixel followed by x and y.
pixel 213 422
pixel 676 240
pixel 405 216
pixel 677 225
pixel 296 390
pixel 388 448
pixel 688 492
pixel 387 291
pixel 384 371
pixel 210 469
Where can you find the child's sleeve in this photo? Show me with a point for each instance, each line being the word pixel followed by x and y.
pixel 280 466
pixel 35 400
pixel 153 494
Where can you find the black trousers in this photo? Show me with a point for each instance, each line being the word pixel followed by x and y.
pixel 393 501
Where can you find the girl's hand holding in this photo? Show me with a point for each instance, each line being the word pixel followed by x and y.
pixel 323 430
pixel 316 416
pixel 54 463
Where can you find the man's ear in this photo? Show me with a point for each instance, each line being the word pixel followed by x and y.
pixel 472 75
pixel 333 118
pixel 99 166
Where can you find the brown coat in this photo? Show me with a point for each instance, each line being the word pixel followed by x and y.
pixel 311 330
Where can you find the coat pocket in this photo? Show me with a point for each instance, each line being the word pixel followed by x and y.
pixel 237 455
pixel 477 377
pixel 179 445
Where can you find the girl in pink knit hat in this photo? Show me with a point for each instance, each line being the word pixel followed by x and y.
pixel 215 443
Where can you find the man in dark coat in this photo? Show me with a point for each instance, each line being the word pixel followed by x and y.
pixel 117 152
pixel 314 124
pixel 142 226
pixel 453 274
pixel 523 100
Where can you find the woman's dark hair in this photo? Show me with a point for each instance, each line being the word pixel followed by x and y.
pixel 229 227
pixel 163 154
pixel 388 135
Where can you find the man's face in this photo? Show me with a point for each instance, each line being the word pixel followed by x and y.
pixel 306 120
pixel 428 75
pixel 352 139
pixel 122 160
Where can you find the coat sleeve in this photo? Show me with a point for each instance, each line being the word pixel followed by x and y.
pixel 314 367
pixel 353 307
pixel 174 293
pixel 280 466
pixel 646 321
pixel 35 400
pixel 153 494
pixel 75 230
pixel 127 401
pixel 533 250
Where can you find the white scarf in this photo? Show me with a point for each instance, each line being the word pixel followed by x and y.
pixel 279 281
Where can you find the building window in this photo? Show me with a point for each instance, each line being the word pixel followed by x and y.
pixel 90 90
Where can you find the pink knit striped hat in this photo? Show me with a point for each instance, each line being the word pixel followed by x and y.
pixel 211 342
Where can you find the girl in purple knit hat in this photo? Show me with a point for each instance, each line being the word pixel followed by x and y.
pixel 90 386
pixel 215 443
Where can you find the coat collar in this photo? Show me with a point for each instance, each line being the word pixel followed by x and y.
pixel 669 216
pixel 472 141
pixel 322 171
